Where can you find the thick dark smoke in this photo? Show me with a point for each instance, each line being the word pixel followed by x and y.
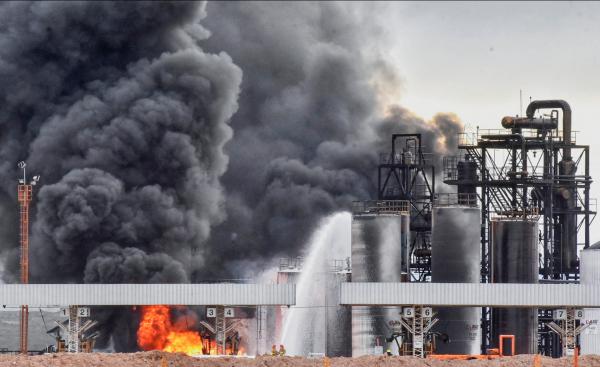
pixel 309 129
pixel 152 147
pixel 125 117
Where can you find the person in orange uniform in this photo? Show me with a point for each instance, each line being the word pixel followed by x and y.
pixel 281 350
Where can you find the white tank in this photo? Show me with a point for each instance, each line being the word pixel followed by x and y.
pixel 590 274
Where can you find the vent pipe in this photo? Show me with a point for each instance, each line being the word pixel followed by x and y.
pixel 566 109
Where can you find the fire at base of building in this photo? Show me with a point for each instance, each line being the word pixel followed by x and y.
pixel 519 210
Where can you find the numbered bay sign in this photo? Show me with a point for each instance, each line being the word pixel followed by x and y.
pixel 579 314
pixel 408 312
pixel 229 312
pixel 211 312
pixel 427 312
pixel 560 314
pixel 81 312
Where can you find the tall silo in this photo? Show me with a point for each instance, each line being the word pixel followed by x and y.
pixel 515 260
pixel 379 254
pixel 455 259
pixel 590 274
pixel 338 317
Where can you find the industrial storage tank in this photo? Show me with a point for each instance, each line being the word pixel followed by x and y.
pixel 590 274
pixel 515 260
pixel 380 232
pixel 339 327
pixel 455 248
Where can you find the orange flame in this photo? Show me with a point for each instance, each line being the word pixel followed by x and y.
pixel 156 332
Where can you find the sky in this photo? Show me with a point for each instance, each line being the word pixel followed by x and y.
pixel 475 58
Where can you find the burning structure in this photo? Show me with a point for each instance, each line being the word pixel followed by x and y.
pixel 129 127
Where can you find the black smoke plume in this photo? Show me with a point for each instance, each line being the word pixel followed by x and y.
pixel 310 126
pixel 152 147
pixel 124 116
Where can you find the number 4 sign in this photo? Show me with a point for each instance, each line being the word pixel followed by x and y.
pixel 229 312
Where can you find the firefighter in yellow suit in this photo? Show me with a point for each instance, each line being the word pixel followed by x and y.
pixel 281 350
pixel 274 350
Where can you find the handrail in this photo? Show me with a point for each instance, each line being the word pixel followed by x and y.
pixel 381 207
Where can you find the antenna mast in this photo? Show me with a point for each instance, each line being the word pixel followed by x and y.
pixel 25 195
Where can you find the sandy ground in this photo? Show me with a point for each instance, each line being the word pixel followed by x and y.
pixel 155 358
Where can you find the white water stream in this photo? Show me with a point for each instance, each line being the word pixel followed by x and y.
pixel 304 329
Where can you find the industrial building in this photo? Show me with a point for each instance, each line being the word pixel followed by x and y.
pixel 516 205
pixel 496 253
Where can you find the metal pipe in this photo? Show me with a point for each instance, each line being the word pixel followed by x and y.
pixel 509 122
pixel 566 109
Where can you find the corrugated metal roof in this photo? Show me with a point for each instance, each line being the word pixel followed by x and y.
pixel 147 294
pixel 470 294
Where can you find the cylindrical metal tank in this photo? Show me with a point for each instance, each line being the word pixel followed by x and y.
pixel 455 259
pixel 339 327
pixel 566 228
pixel 515 260
pixel 379 254
pixel 590 274
pixel 467 171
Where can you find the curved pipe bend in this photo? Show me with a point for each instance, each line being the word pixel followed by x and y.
pixel 566 109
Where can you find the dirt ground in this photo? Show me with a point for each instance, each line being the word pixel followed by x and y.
pixel 155 358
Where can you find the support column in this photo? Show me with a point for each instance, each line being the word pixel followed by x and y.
pixel 220 331
pixel 73 331
pixel 418 331
pixel 25 195
pixel 567 330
